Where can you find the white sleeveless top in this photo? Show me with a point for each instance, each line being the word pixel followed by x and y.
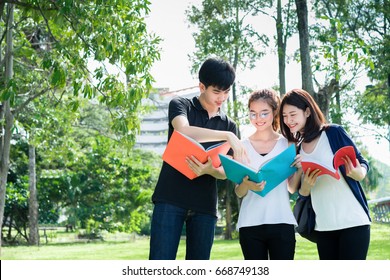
pixel 333 201
pixel 274 208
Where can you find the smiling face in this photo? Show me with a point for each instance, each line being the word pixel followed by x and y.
pixel 295 118
pixel 300 117
pixel 212 97
pixel 261 114
pixel 263 106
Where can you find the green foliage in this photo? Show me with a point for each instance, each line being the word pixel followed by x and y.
pixel 92 227
pixel 107 189
pixel 371 182
pixel 371 21
pixel 383 189
pixel 373 105
pixel 339 43
pixel 83 172
pixel 16 210
pixel 223 31
pixel 110 187
pixel 62 54
pixel 369 26
pixel 67 47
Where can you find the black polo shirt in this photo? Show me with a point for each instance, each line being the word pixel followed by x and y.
pixel 199 194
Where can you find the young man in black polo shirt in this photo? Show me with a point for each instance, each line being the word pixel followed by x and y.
pixel 179 200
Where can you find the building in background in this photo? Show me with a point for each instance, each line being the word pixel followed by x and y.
pixel 154 125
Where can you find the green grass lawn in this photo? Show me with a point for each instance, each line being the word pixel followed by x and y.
pixel 126 248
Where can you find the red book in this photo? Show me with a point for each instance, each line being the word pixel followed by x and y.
pixel 181 146
pixel 337 162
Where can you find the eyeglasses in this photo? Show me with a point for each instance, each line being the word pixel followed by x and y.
pixel 253 115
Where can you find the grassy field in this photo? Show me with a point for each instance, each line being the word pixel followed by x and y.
pixel 63 246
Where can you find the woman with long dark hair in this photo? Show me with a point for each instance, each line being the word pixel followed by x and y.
pixel 342 215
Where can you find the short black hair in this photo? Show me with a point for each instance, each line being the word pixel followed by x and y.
pixel 217 72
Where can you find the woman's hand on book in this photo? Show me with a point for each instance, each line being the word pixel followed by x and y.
pixel 297 161
pixel 246 185
pixel 309 181
pixel 356 172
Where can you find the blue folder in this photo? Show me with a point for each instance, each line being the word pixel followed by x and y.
pixel 274 171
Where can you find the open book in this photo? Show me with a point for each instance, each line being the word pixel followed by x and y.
pixel 181 146
pixel 274 171
pixel 337 161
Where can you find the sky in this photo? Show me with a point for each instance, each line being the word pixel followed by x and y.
pixel 167 20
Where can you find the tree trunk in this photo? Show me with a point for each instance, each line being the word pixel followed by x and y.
pixel 228 201
pixel 304 49
pixel 325 94
pixel 234 89
pixel 281 50
pixel 7 117
pixel 336 116
pixel 228 214
pixel 33 200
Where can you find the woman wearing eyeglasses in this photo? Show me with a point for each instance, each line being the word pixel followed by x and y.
pixel 266 224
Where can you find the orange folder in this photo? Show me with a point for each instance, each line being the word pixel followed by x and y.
pixel 181 146
pixel 337 162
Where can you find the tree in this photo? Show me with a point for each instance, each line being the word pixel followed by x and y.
pixel 304 46
pixel 6 115
pixel 285 23
pixel 39 121
pixel 109 187
pixel 371 26
pixel 16 207
pixel 338 56
pixel 55 41
pixel 345 55
pixel 223 30
pixel 83 173
pixel 284 28
pixel 33 199
pixel 324 93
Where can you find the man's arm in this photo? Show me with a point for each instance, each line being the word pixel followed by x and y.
pixel 181 124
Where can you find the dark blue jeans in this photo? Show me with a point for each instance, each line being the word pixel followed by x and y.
pixel 167 224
